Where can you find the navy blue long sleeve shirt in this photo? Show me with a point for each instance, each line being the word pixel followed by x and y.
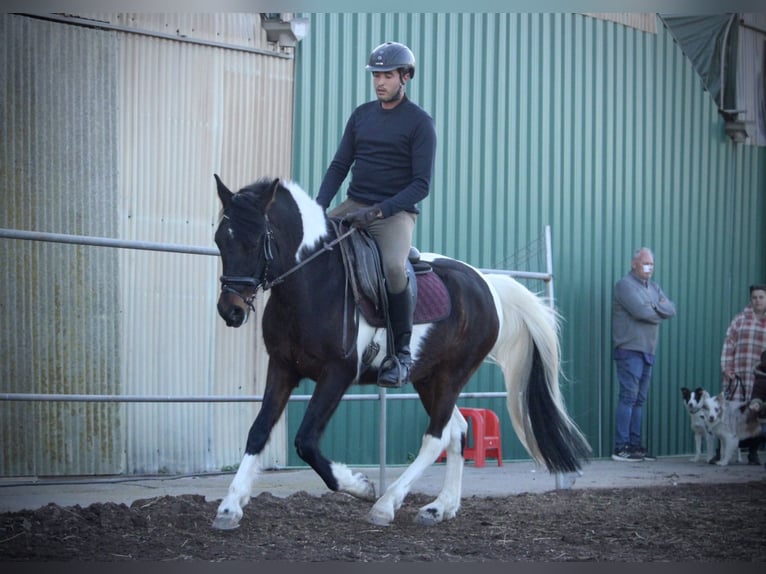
pixel 390 154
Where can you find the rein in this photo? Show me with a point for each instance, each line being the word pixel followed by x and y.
pixel 269 257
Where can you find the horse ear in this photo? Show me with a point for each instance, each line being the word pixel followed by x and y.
pixel 273 192
pixel 224 194
pixel 274 187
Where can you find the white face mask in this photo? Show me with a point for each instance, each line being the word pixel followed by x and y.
pixel 647 268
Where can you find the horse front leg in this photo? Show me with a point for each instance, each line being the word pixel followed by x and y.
pixel 230 511
pixel 279 386
pixel 324 401
pixel 447 503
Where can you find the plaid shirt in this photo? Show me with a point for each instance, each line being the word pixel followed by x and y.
pixel 745 341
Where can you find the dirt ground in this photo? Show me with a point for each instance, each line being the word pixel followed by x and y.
pixel 693 522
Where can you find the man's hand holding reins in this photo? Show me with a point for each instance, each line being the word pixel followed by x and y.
pixel 363 217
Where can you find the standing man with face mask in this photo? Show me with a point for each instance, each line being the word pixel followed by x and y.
pixel 638 308
pixel 388 145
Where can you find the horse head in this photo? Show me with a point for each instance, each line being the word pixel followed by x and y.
pixel 263 230
pixel 244 241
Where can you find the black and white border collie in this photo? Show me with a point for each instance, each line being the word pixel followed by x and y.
pixel 693 401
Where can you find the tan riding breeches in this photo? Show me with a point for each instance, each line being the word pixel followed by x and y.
pixel 394 238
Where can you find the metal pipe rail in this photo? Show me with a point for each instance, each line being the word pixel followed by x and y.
pixel 177 248
pixel 73 398
pixel 105 242
pixel 381 396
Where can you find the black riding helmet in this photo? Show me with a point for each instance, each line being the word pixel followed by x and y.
pixel 392 56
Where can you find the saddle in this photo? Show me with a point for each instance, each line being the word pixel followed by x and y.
pixel 364 271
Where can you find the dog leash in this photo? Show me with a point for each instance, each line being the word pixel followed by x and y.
pixel 731 392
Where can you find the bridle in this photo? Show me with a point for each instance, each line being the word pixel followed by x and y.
pixel 229 283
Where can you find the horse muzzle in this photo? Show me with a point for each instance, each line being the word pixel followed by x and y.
pixel 234 306
pixel 232 311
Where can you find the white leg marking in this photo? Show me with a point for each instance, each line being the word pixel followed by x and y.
pixel 447 503
pixel 230 510
pixel 354 483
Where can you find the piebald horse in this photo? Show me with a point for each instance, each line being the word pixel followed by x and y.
pixel 272 235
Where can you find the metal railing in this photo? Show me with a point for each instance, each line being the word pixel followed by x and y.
pixel 381 396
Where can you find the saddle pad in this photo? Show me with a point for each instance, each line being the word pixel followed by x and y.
pixel 433 302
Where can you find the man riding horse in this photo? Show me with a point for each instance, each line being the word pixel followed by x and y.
pixel 389 146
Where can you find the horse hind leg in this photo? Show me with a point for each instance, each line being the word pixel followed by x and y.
pixel 447 503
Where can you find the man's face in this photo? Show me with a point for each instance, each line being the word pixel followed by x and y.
pixel 758 300
pixel 388 86
pixel 643 265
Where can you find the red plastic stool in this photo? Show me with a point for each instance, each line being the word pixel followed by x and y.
pixel 485 429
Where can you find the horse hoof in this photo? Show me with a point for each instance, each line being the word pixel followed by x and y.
pixel 363 488
pixel 428 517
pixel 226 521
pixel 369 491
pixel 379 518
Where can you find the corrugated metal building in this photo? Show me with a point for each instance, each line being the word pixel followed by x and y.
pixel 113 125
pixel 596 126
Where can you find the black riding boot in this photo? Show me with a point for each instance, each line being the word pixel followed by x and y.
pixel 395 369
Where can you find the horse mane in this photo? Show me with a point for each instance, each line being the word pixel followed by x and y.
pixel 251 203
pixel 248 209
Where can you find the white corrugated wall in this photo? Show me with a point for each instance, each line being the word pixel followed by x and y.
pixel 117 133
pixel 58 332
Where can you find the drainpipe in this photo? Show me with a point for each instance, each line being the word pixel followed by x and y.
pixel 724 54
pixel 734 17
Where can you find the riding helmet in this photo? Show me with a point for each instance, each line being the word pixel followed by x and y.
pixel 392 56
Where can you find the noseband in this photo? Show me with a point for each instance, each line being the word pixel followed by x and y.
pixel 233 283
pixel 229 283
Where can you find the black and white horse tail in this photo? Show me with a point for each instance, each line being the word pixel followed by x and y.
pixel 528 353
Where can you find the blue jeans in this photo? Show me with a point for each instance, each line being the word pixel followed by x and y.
pixel 634 372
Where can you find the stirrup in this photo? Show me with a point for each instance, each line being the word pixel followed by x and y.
pixel 387 367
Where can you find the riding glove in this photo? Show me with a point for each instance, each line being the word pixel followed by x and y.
pixel 362 218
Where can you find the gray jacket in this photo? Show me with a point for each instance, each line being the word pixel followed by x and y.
pixel 638 308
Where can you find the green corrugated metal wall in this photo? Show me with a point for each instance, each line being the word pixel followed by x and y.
pixel 601 131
